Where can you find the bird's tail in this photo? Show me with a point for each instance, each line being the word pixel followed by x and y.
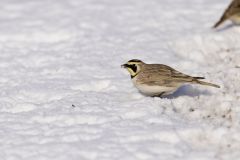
pixel 206 83
pixel 222 19
pixel 199 77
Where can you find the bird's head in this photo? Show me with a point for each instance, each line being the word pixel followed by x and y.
pixel 133 66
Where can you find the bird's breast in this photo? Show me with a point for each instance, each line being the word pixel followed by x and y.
pixel 153 90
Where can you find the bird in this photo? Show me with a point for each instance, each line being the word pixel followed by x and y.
pixel 159 80
pixel 231 13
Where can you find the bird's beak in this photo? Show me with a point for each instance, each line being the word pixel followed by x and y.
pixel 124 65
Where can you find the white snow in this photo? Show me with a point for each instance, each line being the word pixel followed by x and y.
pixel 63 94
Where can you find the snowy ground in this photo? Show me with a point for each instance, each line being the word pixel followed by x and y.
pixel 64 95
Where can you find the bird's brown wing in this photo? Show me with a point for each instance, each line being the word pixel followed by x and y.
pixel 162 75
pixel 234 8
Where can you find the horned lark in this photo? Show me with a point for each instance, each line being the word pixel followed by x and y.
pixel 159 79
pixel 232 13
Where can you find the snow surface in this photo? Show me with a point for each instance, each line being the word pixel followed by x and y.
pixel 64 95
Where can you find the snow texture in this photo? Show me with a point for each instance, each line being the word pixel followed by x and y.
pixel 65 97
